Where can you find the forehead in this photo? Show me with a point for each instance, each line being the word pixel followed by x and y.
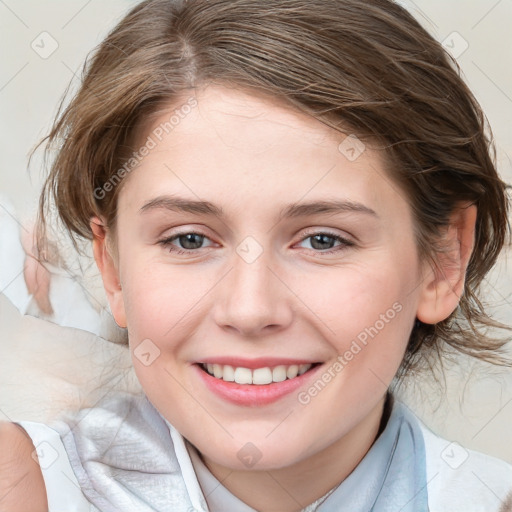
pixel 230 145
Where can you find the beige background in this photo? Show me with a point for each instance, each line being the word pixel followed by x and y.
pixel 476 412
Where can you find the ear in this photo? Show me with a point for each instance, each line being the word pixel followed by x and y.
pixel 109 271
pixel 443 285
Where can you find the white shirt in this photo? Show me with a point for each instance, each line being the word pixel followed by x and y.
pixel 123 456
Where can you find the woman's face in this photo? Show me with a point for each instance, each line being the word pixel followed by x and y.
pixel 256 243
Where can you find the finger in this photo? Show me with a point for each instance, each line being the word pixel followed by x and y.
pixel 37 279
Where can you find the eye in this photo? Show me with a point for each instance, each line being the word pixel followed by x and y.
pixel 190 241
pixel 323 242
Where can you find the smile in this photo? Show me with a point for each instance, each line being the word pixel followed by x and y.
pixel 255 383
pixel 257 376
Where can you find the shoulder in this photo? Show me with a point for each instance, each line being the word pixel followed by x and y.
pixel 21 480
pixel 119 450
pixel 464 479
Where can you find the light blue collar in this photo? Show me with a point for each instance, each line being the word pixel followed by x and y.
pixel 390 478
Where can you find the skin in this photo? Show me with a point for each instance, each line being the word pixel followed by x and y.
pixel 21 481
pixel 251 156
pixel 37 276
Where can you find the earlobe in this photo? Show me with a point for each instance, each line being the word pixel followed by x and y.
pixel 443 285
pixel 108 269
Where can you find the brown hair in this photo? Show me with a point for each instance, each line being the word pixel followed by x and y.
pixel 366 65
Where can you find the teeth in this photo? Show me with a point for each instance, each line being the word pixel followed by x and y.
pixel 259 376
pixel 243 376
pixel 228 373
pixel 303 368
pixel 279 373
pixel 262 376
pixel 292 371
pixel 218 371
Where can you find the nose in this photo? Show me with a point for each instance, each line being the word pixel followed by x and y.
pixel 253 300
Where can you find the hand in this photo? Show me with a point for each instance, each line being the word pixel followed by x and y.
pixel 37 276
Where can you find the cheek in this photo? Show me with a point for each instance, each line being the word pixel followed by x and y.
pixel 357 298
pixel 157 295
pixel 369 312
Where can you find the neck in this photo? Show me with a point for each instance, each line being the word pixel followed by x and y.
pixel 292 488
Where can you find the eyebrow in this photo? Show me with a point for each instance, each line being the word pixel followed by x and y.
pixel 294 210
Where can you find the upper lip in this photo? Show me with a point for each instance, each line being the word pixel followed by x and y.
pixel 252 364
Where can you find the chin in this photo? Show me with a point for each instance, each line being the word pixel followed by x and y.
pixel 258 455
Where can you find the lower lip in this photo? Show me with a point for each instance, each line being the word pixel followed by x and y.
pixel 252 394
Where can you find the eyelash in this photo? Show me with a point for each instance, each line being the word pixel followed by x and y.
pixel 344 242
